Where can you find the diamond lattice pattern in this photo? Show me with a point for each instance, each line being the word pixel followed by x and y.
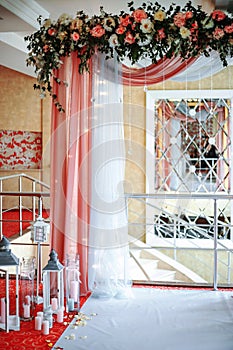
pixel 192 145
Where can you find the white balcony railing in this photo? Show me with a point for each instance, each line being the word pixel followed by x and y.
pixel 197 224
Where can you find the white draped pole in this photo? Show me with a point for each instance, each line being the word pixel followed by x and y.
pixel 108 241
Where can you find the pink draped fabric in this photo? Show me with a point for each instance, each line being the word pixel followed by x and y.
pixel 70 166
pixel 164 69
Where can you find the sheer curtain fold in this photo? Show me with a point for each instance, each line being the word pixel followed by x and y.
pixel 164 69
pixel 108 241
pixel 202 67
pixel 70 166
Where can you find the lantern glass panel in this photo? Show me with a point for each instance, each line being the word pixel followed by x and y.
pixel 26 288
pixel 53 284
pixel 3 297
pixel 9 296
pixel 53 290
pixel 9 307
pixel 72 283
pixel 40 231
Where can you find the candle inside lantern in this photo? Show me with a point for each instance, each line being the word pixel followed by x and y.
pixel 45 327
pixel 3 310
pixel 60 315
pixel 40 314
pixel 27 299
pixel 74 290
pixel 70 304
pixel 54 304
pixel 26 311
pixel 38 323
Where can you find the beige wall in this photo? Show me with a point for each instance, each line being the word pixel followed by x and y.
pixel 22 109
pixel 19 103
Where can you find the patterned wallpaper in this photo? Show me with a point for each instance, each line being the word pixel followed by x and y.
pixel 20 150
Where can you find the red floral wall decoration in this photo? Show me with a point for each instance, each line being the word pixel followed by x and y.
pixel 20 150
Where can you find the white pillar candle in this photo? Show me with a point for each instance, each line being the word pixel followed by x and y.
pixel 70 304
pixel 74 290
pixel 60 315
pixel 45 327
pixel 40 314
pixel 27 299
pixel 38 323
pixel 26 311
pixel 54 304
pixel 3 310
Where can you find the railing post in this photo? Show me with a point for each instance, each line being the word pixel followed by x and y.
pixel 174 239
pixel 215 246
pixel 40 206
pixel 229 267
pixel 20 207
pixel 33 201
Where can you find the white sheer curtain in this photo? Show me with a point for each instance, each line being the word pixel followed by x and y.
pixel 108 240
pixel 203 67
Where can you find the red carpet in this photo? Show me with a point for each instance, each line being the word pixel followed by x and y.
pixel 10 225
pixel 28 338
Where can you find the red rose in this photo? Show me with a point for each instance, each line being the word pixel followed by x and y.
pixel 46 48
pixel 51 31
pixel 129 38
pixel 97 31
pixel 138 15
pixel 120 30
pixel 75 36
pixel 180 19
pixel 218 15
pixel 161 34
pixel 124 21
pixel 218 33
pixel 229 29
pixel 189 14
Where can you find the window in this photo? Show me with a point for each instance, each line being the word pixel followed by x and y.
pixel 192 147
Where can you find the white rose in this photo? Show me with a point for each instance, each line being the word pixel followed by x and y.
pixel 113 40
pixel 146 26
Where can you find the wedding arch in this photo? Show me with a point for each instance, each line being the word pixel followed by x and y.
pixel 81 63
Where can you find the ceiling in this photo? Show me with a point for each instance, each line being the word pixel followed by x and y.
pixel 18 18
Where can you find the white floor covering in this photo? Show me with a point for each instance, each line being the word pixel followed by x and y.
pixel 154 319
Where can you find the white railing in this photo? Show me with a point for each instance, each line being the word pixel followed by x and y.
pixel 171 205
pixel 39 191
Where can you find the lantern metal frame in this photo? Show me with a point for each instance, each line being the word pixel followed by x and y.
pixel 39 234
pixel 54 269
pixel 9 260
pixel 27 288
pixel 72 283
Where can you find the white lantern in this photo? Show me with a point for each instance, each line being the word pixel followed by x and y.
pixel 10 268
pixel 39 234
pixel 53 284
pixel 26 288
pixel 72 283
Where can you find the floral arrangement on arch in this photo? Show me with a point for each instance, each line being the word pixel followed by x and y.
pixel 149 31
